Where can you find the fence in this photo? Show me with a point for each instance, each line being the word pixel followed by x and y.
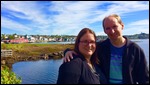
pixel 6 53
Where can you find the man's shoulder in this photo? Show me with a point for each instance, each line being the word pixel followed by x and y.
pixel 102 42
pixel 131 43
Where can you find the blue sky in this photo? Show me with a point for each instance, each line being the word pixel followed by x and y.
pixel 69 17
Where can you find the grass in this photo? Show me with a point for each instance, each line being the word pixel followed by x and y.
pixel 35 49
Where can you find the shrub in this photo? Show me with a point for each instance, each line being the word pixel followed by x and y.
pixel 9 77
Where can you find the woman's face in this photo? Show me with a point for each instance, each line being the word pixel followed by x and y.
pixel 87 44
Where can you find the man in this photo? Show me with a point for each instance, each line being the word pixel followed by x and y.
pixel 121 60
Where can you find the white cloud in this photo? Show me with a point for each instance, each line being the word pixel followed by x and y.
pixel 13 25
pixel 65 17
pixel 140 23
pixel 137 27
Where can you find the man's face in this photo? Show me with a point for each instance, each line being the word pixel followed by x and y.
pixel 113 28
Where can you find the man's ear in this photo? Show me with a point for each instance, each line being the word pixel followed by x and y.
pixel 104 31
pixel 122 26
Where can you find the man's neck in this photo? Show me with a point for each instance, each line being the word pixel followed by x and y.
pixel 119 42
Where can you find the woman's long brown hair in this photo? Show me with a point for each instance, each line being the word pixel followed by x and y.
pixel 94 58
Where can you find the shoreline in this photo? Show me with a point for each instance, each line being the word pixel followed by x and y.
pixel 33 52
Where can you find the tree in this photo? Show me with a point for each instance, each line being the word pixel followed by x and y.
pixel 11 37
pixel 3 37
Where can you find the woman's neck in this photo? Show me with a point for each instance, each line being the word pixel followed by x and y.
pixel 88 59
pixel 89 63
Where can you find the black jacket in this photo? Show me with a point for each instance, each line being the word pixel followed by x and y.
pixel 77 72
pixel 134 65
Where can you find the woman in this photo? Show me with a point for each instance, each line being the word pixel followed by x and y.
pixel 82 69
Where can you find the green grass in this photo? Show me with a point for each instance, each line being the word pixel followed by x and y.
pixel 36 49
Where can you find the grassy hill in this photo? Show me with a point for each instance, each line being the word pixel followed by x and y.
pixel 35 49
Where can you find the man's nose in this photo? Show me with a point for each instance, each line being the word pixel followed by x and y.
pixel 112 30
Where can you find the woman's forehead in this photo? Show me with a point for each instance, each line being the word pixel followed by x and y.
pixel 88 36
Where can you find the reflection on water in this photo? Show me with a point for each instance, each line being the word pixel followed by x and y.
pixel 46 71
pixel 38 72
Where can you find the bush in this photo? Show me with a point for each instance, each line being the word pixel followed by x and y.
pixel 9 77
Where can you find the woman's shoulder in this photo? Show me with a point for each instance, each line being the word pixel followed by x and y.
pixel 73 66
pixel 75 62
pixel 76 59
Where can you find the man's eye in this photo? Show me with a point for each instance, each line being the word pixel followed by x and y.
pixel 107 28
pixel 115 26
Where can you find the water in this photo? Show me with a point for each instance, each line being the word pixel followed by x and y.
pixel 144 44
pixel 54 43
pixel 46 71
pixel 38 72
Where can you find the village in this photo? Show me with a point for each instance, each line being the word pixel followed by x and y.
pixel 15 39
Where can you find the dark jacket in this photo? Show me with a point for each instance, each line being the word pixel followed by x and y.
pixel 134 65
pixel 77 71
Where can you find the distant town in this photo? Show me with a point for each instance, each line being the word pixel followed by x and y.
pixel 15 39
